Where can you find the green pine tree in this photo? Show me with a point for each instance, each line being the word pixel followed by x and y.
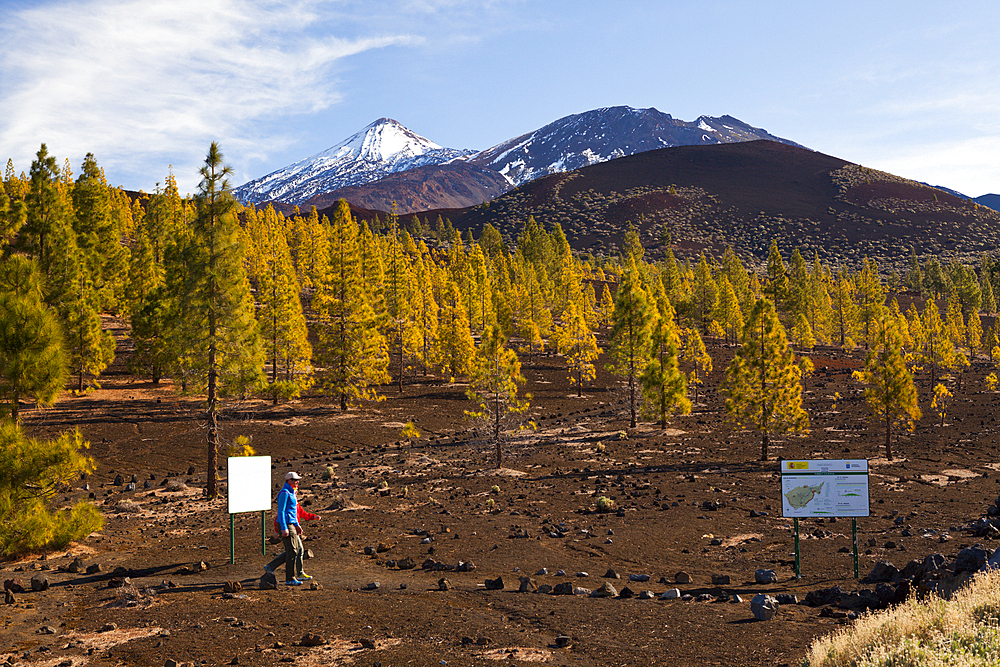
pixel 215 330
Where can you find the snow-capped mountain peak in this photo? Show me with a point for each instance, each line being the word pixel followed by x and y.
pixel 384 147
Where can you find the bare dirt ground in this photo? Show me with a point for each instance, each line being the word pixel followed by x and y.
pixel 684 494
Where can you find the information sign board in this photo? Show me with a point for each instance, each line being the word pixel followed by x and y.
pixel 249 481
pixel 821 487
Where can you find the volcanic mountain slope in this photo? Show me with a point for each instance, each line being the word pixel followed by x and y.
pixel 452 185
pixel 384 147
pixel 605 134
pixel 744 195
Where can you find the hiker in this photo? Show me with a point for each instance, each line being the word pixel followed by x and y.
pixel 286 524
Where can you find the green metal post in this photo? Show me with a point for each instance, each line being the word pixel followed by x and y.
pixel 798 564
pixel 232 539
pixel 854 532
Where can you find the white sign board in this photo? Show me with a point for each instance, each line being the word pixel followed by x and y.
pixel 822 487
pixel 249 484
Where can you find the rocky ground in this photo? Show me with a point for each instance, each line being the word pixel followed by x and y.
pixel 414 537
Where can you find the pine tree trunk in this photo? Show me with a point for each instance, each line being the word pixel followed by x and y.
pixel 888 436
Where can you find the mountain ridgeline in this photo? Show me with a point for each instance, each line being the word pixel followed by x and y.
pixel 743 195
pixel 364 168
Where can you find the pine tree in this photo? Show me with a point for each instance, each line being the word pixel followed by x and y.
pixel 705 294
pixel 819 306
pixel 280 316
pixel 351 346
pixel 844 311
pixel 727 311
pixel 889 389
pixel 763 381
pixel 870 297
pixel 914 275
pixel 105 260
pixel 776 286
pixel 47 208
pixel 494 384
pixel 401 334
pixel 664 385
pixel 457 346
pixel 938 350
pixel 12 215
pixel 215 330
pixel 989 304
pixel 33 361
pixel 576 342
pixel 33 474
pixel 629 339
pixel 425 308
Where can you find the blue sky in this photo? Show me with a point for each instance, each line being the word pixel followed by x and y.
pixel 908 87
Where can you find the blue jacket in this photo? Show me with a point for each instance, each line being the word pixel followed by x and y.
pixel 288 508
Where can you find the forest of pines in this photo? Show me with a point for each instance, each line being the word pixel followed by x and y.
pixel 228 301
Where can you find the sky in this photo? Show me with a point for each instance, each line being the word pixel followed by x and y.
pixel 146 85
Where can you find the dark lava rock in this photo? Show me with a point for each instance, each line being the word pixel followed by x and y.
pixel 883 571
pixel 971 559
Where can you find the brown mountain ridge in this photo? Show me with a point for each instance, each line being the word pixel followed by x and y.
pixel 743 195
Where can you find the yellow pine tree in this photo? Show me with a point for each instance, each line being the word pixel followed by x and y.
pixel 937 351
pixel 664 385
pixel 495 377
pixel 845 312
pixel 425 309
pixel 628 349
pixel 574 340
pixel 456 345
pixel 727 311
pixel 763 382
pixel 401 333
pixel 889 388
pixel 279 309
pixel 352 347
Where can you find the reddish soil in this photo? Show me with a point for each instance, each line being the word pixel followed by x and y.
pixel 664 481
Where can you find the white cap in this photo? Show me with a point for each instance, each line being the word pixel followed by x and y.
pixel 292 475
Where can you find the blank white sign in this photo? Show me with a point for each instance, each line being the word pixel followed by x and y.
pixel 249 484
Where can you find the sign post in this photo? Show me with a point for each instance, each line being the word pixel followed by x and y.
pixel 249 482
pixel 820 487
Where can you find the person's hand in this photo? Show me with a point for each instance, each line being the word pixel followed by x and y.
pixel 299 529
pixel 284 533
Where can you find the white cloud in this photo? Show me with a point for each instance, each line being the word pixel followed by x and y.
pixel 969 165
pixel 147 83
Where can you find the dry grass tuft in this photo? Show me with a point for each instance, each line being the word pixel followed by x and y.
pixel 962 632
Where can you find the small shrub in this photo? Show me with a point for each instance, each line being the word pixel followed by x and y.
pixel 328 473
pixel 600 447
pixel 409 431
pixel 623 435
pixel 241 447
pixel 491 504
pixel 31 474
pixel 605 505
pixel 991 382
pixel 494 489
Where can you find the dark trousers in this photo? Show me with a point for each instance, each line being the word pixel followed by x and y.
pixel 292 556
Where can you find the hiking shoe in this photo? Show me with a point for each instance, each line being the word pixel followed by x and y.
pixel 304 577
pixel 293 582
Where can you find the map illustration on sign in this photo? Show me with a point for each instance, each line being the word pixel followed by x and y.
pixel 820 487
pixel 801 496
